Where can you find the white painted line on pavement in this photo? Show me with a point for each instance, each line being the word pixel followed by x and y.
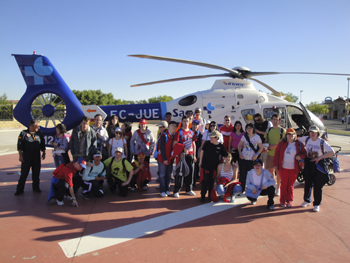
pixel 100 240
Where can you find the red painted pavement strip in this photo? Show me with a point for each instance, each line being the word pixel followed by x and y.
pixel 246 233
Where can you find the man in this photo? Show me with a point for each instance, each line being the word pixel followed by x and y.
pixel 186 137
pixel 83 141
pixel 189 115
pixel 142 174
pixel 165 163
pixel 226 130
pixel 202 122
pixel 210 157
pixel 273 136
pixel 93 177
pixel 261 125
pixel 259 179
pixel 102 136
pixel 117 172
pixel 63 180
pixel 30 143
pixel 197 133
pixel 162 126
pixel 168 117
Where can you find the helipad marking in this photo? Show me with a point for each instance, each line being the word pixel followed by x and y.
pixel 100 240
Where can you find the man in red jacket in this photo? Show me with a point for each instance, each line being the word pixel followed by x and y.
pixel 165 163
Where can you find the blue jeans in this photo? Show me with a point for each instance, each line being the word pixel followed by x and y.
pixel 58 160
pixel 164 176
pixel 220 189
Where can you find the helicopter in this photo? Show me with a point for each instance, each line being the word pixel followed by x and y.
pixel 49 100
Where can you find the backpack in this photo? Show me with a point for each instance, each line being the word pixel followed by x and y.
pixel 156 152
pixel 269 129
pixel 181 133
pixel 104 168
pixel 109 175
pixel 322 143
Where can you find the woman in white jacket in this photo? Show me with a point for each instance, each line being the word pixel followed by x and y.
pixel 142 141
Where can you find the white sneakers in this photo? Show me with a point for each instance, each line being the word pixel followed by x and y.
pixel 278 192
pixel 168 193
pixel 163 194
pixel 305 204
pixel 316 208
pixel 191 193
pixel 176 195
pixel 59 202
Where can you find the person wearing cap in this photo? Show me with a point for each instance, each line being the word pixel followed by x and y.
pixel 117 141
pixel 83 141
pixel 186 136
pixel 210 157
pixel 64 174
pixel 119 172
pixel 212 126
pixel 93 178
pixel 259 176
pixel 165 163
pixel 142 173
pixel 142 141
pixel 226 130
pixel 101 135
pixel 199 135
pixel 315 169
pixel 249 148
pixel 273 136
pixel 289 153
pixel 201 121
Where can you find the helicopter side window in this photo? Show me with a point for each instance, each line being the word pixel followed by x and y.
pixel 268 112
pixel 187 101
pixel 297 118
pixel 248 115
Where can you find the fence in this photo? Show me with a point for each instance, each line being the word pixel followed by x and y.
pixel 6 112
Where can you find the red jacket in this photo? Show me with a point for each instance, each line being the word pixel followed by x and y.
pixel 168 147
pixel 279 154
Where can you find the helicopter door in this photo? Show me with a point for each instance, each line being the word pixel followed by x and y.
pixel 268 112
pixel 298 119
pixel 307 115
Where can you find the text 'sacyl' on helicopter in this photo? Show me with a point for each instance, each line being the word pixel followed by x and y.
pixel 49 99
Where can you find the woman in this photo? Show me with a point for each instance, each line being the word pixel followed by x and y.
pixel 60 144
pixel 212 127
pixel 288 153
pixel 235 138
pixel 142 141
pixel 225 176
pixel 127 134
pixel 112 125
pixel 252 148
pixel 315 170
pixel 117 141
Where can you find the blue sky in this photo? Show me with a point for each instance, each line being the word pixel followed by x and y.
pixel 88 43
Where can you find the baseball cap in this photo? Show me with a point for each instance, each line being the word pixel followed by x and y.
pixel 141 155
pixel 118 129
pixel 257 161
pixel 162 124
pixel 314 128
pixel 290 130
pixel 97 153
pixel 198 109
pixel 214 133
pixel 119 149
pixel 82 162
pixel 143 121
pixel 195 122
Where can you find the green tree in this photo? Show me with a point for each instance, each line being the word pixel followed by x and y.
pixel 288 97
pixel 158 99
pixel 317 108
pixel 5 108
pixel 3 100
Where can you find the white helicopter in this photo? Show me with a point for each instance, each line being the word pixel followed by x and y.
pixel 238 98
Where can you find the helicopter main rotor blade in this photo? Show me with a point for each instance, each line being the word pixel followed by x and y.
pixel 253 74
pixel 267 86
pixel 183 78
pixel 233 72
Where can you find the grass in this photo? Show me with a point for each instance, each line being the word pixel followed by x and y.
pixel 339 132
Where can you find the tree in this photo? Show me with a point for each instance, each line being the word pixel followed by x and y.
pixel 5 108
pixel 158 99
pixel 3 100
pixel 316 108
pixel 288 97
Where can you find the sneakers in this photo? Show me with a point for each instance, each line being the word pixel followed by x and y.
pixel 59 202
pixel 305 204
pixel 168 193
pixel 289 205
pixel 316 208
pixel 176 195
pixel 68 197
pixel 18 192
pixel 272 208
pixel 191 193
pixel 101 191
pixel 163 194
pixel 283 205
pixel 145 187
pixel 278 192
pixel 85 196
pixel 36 190
pixel 253 202
pixel 233 199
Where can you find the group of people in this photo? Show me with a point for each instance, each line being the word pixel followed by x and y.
pixel 262 159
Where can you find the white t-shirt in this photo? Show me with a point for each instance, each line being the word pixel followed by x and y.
pixel 289 156
pixel 257 179
pixel 117 143
pixel 313 148
pixel 91 172
pixel 248 152
pixel 207 138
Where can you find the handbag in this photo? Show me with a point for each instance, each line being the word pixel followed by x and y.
pixel 251 145
pixel 249 193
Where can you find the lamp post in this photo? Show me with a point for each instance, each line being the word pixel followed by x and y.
pixel 300 96
pixel 347 106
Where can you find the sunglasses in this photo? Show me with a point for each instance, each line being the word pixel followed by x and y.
pixel 118 133
pixel 196 111
pixel 227 120
pixel 212 125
